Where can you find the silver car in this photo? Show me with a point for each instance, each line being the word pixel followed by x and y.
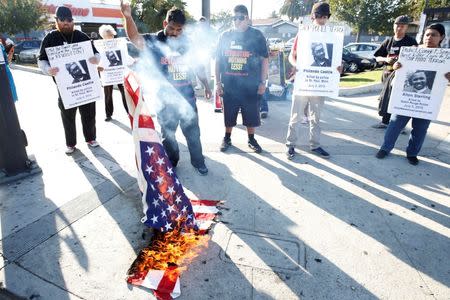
pixel 29 56
pixel 362 49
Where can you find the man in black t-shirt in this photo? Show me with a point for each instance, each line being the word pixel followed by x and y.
pixel 169 50
pixel 66 34
pixel 242 63
pixel 387 54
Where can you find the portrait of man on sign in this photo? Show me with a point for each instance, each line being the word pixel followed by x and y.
pixel 78 71
pixel 420 82
pixel 114 58
pixel 319 54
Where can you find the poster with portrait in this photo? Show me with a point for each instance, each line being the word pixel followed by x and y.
pixel 319 53
pixel 77 79
pixel 114 54
pixel 419 85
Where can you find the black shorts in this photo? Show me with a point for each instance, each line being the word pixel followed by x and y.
pixel 248 104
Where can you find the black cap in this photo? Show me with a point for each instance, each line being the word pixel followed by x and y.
pixel 321 8
pixel 63 12
pixel 402 20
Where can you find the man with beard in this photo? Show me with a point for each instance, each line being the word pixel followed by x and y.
pixel 318 53
pixel 77 72
pixel 66 34
pixel 169 50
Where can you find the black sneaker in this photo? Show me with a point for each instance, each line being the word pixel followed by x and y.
pixel 290 153
pixel 203 170
pixel 413 160
pixel 253 144
pixel 319 151
pixel 381 154
pixel 226 143
pixel 108 119
pixel 380 125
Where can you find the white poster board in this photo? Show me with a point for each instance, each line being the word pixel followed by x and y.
pixel 419 85
pixel 319 53
pixel 114 55
pixel 2 58
pixel 77 80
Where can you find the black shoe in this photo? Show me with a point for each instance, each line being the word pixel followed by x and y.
pixel 226 143
pixel 381 154
pixel 203 170
pixel 108 119
pixel 380 125
pixel 290 153
pixel 264 114
pixel 253 144
pixel 319 151
pixel 413 160
pixel 174 163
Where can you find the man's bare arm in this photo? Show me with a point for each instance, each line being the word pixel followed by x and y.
pixel 130 26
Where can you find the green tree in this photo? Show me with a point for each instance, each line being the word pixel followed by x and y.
pixel 222 20
pixel 368 16
pixel 21 16
pixel 294 9
pixel 150 14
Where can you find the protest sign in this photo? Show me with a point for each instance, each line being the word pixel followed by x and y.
pixel 319 53
pixel 77 79
pixel 419 85
pixel 114 54
pixel 2 59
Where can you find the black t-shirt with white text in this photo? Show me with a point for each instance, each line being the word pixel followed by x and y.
pixel 240 56
pixel 171 55
pixel 391 48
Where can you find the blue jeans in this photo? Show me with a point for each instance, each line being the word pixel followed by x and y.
pixel 418 133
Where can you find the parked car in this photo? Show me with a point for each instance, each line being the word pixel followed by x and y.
pixel 25 45
pixel 354 63
pixel 362 49
pixel 29 56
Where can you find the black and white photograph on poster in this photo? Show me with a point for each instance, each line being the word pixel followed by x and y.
pixel 420 82
pixel 114 60
pixel 320 55
pixel 419 85
pixel 78 70
pixel 78 81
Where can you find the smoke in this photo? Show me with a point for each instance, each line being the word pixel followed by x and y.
pixel 184 56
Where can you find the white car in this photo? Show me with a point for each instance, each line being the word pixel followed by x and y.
pixel 29 56
pixel 362 49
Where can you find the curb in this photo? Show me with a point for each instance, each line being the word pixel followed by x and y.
pixel 370 88
pixel 26 68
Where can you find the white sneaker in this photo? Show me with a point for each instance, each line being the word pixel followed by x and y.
pixel 93 144
pixel 69 150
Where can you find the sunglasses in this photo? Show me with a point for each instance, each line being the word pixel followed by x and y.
pixel 319 16
pixel 69 20
pixel 240 18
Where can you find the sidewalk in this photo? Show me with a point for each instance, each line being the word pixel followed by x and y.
pixel 351 227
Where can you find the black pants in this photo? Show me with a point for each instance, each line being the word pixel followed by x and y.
pixel 109 106
pixel 169 118
pixel 87 112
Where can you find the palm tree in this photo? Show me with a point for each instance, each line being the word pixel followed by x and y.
pixel 296 8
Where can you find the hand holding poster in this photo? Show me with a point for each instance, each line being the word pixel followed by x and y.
pixel 319 53
pixel 77 79
pixel 419 85
pixel 114 54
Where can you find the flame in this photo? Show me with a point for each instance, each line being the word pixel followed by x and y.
pixel 175 248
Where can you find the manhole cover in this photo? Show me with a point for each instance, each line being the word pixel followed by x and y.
pixel 264 252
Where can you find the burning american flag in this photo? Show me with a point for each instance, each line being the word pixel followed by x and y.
pixel 179 223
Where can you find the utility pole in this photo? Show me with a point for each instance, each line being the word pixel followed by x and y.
pixel 14 162
pixel 206 9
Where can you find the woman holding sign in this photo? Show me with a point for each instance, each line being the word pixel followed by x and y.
pixel 434 34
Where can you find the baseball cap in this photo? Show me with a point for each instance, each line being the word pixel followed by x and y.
pixel 321 8
pixel 402 20
pixel 63 13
